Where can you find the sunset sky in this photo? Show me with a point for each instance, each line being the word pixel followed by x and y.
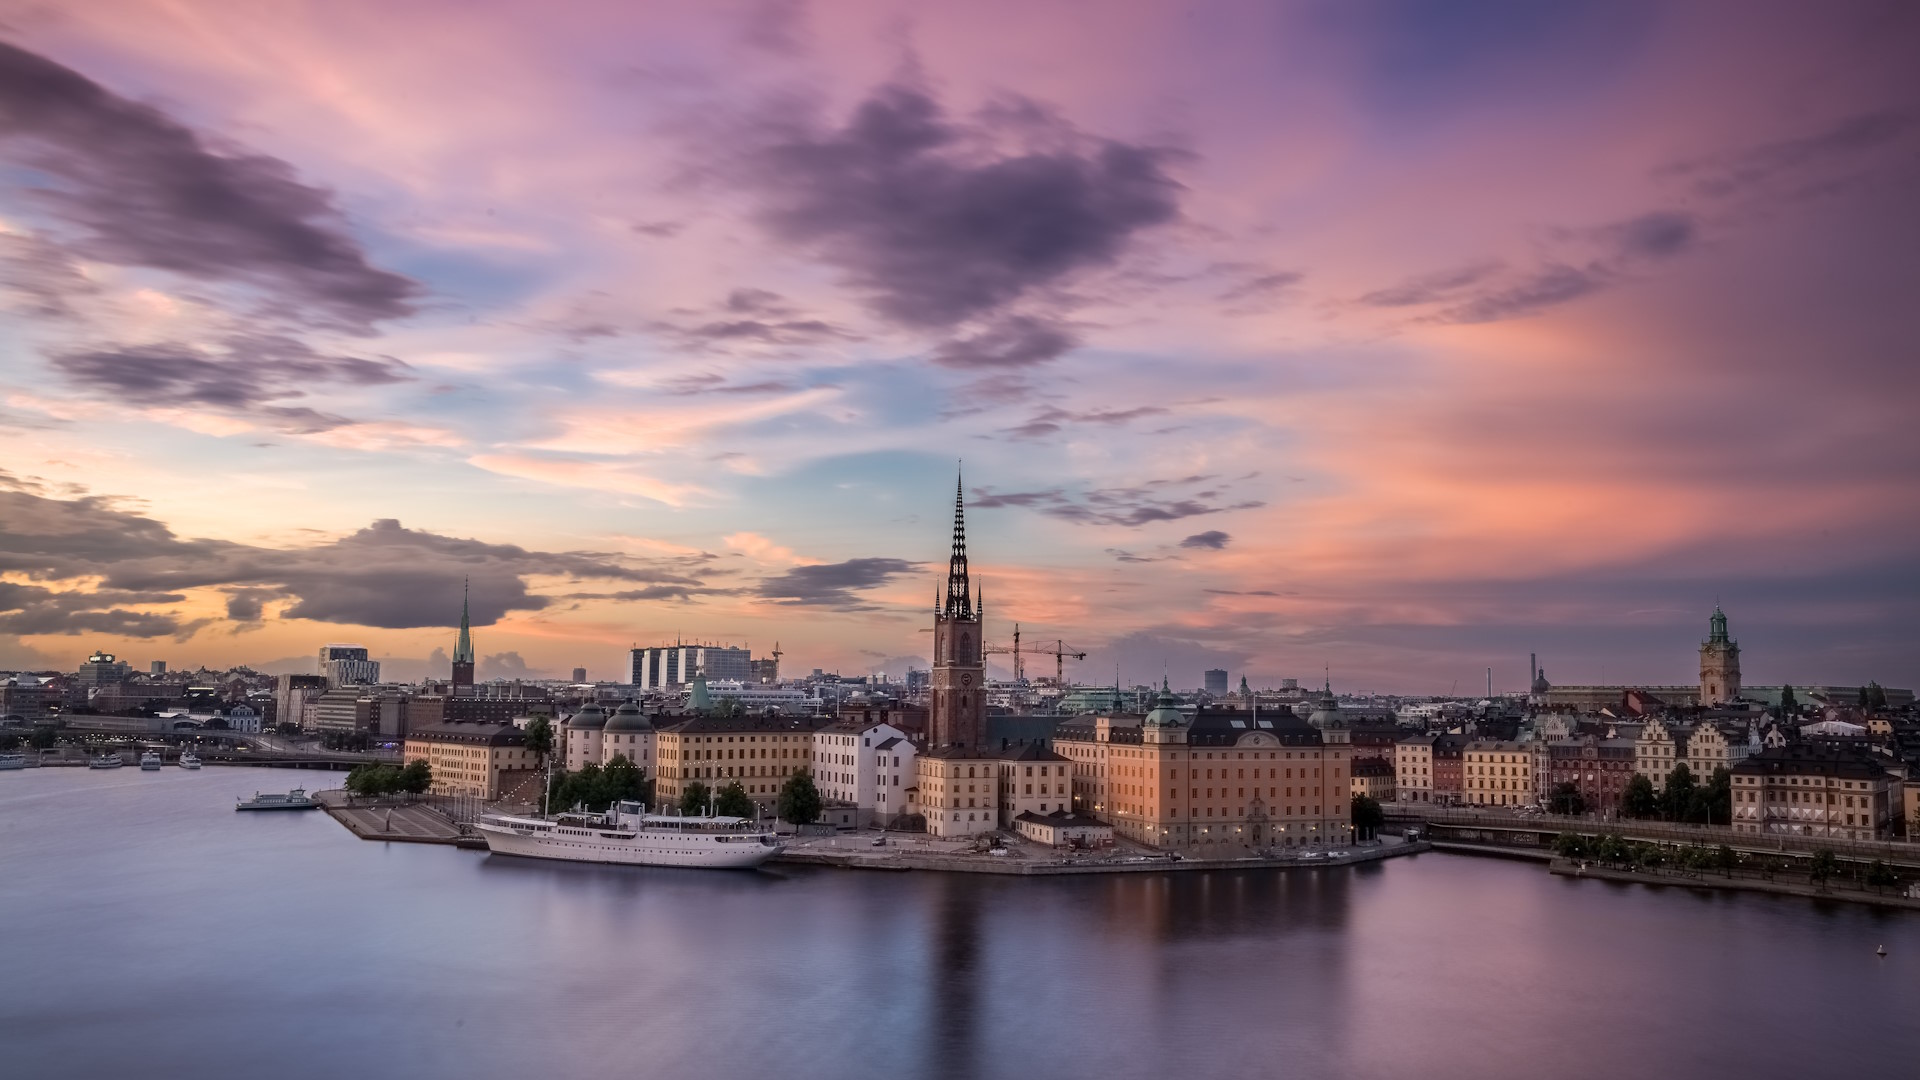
pixel 1395 340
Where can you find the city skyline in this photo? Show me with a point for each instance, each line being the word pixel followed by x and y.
pixel 1273 339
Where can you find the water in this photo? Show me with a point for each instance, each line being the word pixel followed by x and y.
pixel 148 930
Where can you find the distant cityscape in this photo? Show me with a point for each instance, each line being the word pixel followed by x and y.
pixel 956 754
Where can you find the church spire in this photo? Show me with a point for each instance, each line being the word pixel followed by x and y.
pixel 463 648
pixel 959 604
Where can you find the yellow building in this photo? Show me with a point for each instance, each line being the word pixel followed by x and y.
pixel 481 760
pixel 1413 769
pixel 1225 781
pixel 1496 774
pixel 1373 778
pixel 760 752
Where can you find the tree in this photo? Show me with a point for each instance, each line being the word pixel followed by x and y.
pixel 1611 848
pixel 417 777
pixel 623 781
pixel 1880 875
pixel 1713 803
pixel 800 801
pixel 1566 800
pixel 693 800
pixel 41 738
pixel 1677 800
pixel 9 741
pixel 1638 799
pixel 1726 859
pixel 734 802
pixel 1789 707
pixel 1570 845
pixel 1824 866
pixel 539 733
pixel 1876 697
pixel 1367 817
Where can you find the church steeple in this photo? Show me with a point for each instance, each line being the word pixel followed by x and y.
pixel 959 602
pixel 463 645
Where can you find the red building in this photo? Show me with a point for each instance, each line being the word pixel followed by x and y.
pixel 1449 782
pixel 1597 768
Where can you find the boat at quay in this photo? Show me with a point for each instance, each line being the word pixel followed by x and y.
pixel 296 799
pixel 106 761
pixel 13 761
pixel 627 835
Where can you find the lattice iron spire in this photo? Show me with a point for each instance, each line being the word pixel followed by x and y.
pixel 463 648
pixel 959 604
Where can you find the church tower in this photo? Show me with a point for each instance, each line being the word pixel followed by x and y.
pixel 1719 663
pixel 957 698
pixel 463 648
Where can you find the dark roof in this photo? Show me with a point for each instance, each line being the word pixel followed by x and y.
pixel 744 724
pixel 1062 818
pixel 473 734
pixel 1803 760
pixel 892 741
pixel 1224 727
pixel 1029 752
pixel 1372 766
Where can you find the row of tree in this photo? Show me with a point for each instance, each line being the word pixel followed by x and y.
pixel 596 787
pixel 1611 849
pixel 412 779
pixel 1681 798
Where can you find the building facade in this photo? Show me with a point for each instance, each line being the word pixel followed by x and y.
pixel 480 760
pixel 662 667
pixel 759 752
pixel 1496 774
pixel 348 665
pixel 1719 663
pixel 847 769
pixel 1814 791
pixel 957 688
pixel 1413 769
pixel 1373 777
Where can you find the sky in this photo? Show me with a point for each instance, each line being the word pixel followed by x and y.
pixel 1377 342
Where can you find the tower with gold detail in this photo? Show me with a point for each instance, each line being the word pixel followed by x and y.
pixel 957 687
pixel 1719 663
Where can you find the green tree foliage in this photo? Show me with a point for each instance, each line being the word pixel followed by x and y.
pixel 1824 866
pixel 595 787
pixel 1638 799
pixel 41 738
pixel 800 801
pixel 1876 697
pixel 1566 799
pixel 1713 802
pixel 1367 817
pixel 1610 848
pixel 539 733
pixel 286 730
pixel 1789 706
pixel 693 798
pixel 1571 846
pixel 376 780
pixel 417 777
pixel 734 802
pixel 1676 800
pixel 1725 859
pixel 1881 876
pixel 9 741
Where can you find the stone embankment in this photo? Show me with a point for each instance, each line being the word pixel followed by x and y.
pixel 395 821
pixel 1710 880
pixel 1040 862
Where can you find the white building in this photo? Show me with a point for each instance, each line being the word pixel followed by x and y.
pixel 665 666
pixel 755 698
pixel 847 769
pixel 244 720
pixel 348 665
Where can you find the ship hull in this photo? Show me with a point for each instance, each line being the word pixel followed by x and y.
pixel 643 849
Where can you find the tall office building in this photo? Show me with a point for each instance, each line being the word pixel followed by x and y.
pixel 1217 682
pixel 671 666
pixel 348 665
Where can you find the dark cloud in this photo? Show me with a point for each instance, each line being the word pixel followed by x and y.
pixel 34 609
pixel 833 584
pixel 1842 145
pixel 709 383
pixel 784 332
pixel 506 665
pixel 935 221
pixel 1211 540
pixel 756 302
pixel 1129 507
pixel 659 230
pixel 1013 342
pixel 384 575
pixel 37 278
pixel 245 375
pixel 777 26
pixel 1122 555
pixel 1052 420
pixel 147 191
pixel 1546 288
pixel 1653 236
pixel 1261 287
pixel 1429 288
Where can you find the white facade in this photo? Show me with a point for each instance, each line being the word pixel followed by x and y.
pixel 243 720
pixel 846 764
pixel 348 665
pixel 665 666
pixel 892 775
pixel 755 698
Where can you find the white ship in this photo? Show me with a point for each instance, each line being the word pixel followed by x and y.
pixel 189 759
pixel 630 836
pixel 106 761
pixel 13 761
pixel 149 762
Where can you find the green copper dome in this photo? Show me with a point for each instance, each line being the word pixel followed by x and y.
pixel 1166 710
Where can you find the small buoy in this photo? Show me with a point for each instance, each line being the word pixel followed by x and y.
pixel 1882 950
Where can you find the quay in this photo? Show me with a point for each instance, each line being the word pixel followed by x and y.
pixel 901 855
pixel 393 821
pixel 1708 880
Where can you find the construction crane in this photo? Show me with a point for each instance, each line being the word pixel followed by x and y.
pixel 990 649
pixel 1061 654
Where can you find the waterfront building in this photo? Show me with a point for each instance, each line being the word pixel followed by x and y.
pixel 630 734
pixel 481 760
pixel 1227 778
pixel 1814 791
pixel 760 752
pixel 1033 780
pixel 895 771
pixel 663 667
pixel 1449 752
pixel 1496 774
pixel 1597 768
pixel 957 791
pixel 847 770
pixel 1373 778
pixel 348 665
pixel 1413 769
pixel 244 720
pixel 1717 744
pixel 1063 828
pixel 582 735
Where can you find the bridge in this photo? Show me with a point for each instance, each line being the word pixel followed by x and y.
pixel 1535 834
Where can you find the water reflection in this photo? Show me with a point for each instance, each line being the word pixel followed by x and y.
pixel 146 929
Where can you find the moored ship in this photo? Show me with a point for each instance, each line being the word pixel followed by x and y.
pixel 293 800
pixel 149 762
pixel 106 761
pixel 13 761
pixel 189 759
pixel 628 835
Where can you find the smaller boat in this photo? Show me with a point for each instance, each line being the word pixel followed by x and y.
pixel 12 761
pixel 189 759
pixel 149 762
pixel 293 800
pixel 106 761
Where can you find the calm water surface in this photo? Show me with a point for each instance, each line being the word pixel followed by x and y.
pixel 148 930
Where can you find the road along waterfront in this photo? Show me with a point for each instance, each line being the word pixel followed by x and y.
pixel 149 930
